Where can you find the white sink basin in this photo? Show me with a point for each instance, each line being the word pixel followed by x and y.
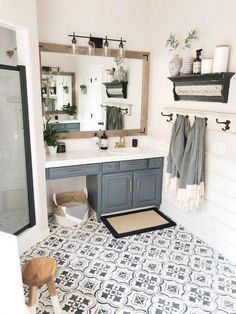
pixel 124 151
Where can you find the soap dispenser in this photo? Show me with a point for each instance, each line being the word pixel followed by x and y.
pixel 104 141
pixel 197 62
pixel 96 141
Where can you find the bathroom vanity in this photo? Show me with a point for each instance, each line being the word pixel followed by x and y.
pixel 114 182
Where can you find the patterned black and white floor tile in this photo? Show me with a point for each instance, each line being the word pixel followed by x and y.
pixel 168 271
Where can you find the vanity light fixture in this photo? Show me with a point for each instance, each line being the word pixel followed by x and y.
pixel 97 42
pixel 50 69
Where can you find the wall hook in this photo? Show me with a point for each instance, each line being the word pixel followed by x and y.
pixel 227 123
pixel 186 116
pixel 168 115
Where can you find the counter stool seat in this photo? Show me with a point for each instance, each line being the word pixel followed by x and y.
pixel 37 272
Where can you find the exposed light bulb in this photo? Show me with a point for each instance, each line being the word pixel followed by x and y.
pixel 106 48
pixel 121 49
pixel 91 47
pixel 74 42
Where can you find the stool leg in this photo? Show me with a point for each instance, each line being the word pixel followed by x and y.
pixel 33 299
pixel 54 297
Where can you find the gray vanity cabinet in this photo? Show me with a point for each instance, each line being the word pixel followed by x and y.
pixel 118 185
pixel 130 184
pixel 116 192
pixel 147 187
pixel 131 190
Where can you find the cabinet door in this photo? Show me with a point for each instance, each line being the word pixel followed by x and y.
pixel 116 192
pixel 147 187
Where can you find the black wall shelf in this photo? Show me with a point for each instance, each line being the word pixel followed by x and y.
pixel 212 87
pixel 116 89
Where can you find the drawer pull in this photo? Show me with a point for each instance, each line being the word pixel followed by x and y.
pixel 77 170
pixel 130 185
pixel 133 164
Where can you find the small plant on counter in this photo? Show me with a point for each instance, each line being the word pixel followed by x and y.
pixel 50 134
pixel 70 109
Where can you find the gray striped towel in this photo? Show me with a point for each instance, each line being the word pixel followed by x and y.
pixel 191 184
pixel 179 136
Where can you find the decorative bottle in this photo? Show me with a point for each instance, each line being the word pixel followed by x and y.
pixel 104 141
pixel 197 62
pixel 96 141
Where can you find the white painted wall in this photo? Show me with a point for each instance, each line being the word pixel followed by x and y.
pixel 21 17
pixel 8 42
pixel 215 23
pixel 114 18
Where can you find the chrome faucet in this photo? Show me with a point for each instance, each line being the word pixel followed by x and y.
pixel 121 143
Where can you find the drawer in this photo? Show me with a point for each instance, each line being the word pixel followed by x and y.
pixel 133 164
pixel 109 167
pixel 72 171
pixel 155 162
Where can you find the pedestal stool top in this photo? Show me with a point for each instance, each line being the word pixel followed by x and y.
pixel 39 271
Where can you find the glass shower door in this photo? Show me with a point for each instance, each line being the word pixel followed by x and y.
pixel 16 185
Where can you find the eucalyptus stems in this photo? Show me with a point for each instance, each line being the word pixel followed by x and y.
pixel 173 43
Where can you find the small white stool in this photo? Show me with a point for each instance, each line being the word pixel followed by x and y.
pixel 37 272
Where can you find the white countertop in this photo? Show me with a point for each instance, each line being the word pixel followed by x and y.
pixel 91 156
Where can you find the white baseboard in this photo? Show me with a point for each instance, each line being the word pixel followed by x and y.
pixel 30 237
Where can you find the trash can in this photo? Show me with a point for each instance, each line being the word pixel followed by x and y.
pixel 70 208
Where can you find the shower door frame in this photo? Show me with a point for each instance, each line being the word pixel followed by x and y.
pixel 27 143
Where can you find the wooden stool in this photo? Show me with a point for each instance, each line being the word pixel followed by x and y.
pixel 37 272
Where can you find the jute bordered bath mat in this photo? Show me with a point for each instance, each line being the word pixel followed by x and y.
pixel 139 221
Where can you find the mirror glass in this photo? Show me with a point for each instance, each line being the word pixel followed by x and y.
pixel 106 92
pixel 57 90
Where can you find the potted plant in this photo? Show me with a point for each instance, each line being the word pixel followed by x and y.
pixel 50 136
pixel 177 65
pixel 69 109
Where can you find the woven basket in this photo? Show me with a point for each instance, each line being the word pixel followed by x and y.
pixel 63 199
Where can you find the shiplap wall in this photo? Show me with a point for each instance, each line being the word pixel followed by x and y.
pixel 215 222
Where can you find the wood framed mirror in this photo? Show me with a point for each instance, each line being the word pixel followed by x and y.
pixel 95 90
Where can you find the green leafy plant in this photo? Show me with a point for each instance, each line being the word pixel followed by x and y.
pixel 83 86
pixel 173 43
pixel 191 35
pixel 70 109
pixel 50 133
